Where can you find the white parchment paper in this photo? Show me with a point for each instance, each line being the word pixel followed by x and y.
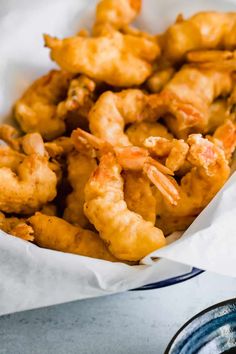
pixel 31 277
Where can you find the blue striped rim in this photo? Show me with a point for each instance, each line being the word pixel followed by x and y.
pixel 171 281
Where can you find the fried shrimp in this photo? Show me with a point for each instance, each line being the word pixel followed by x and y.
pixel 27 181
pixel 205 30
pixel 117 59
pixel 59 147
pixel 79 168
pixel 226 134
pixel 139 131
pixel 209 172
pixel 57 234
pixel 16 227
pixel 36 110
pixel 114 111
pixel 80 98
pixel 114 15
pixel 130 158
pixel 186 99
pixel 138 195
pixel 10 135
pixel 159 79
pixel 174 150
pixel 209 56
pixel 128 236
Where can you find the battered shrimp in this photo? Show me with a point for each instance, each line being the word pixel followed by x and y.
pixel 36 111
pixel 139 131
pixel 79 168
pixel 114 15
pixel 209 172
pixel 169 224
pixel 174 150
pixel 57 234
pixel 159 79
pixel 130 158
pixel 59 147
pixel 205 30
pixel 80 98
pixel 218 114
pixel 226 134
pixel 10 135
pixel 27 181
pixel 209 56
pixel 138 195
pixel 128 236
pixel 114 110
pixel 117 59
pixel 186 99
pixel 16 227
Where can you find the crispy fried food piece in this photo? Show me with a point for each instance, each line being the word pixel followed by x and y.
pixel 205 30
pixel 57 234
pixel 138 195
pixel 174 150
pixel 130 158
pixel 218 114
pixel 114 111
pixel 10 135
pixel 80 99
pixel 209 172
pixel 186 99
pixel 138 132
pixel 59 147
pixel 226 135
pixel 49 209
pixel 16 227
pixel 117 59
pixel 79 168
pixel 209 56
pixel 213 59
pixel 232 100
pixel 114 15
pixel 27 181
pixel 36 110
pixel 159 79
pixel 128 235
pixel 169 224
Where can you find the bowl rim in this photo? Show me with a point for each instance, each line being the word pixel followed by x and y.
pixel 203 312
pixel 171 281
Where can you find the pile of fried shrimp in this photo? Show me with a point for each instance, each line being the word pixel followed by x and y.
pixel 128 141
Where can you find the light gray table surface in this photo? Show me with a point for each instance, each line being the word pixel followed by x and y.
pixel 128 323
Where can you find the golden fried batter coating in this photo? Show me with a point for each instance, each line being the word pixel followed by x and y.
pixel 16 227
pixel 36 110
pixel 117 59
pixel 159 79
pixel 57 234
pixel 79 168
pixel 10 135
pixel 169 224
pixel 138 195
pixel 174 150
pixel 128 235
pixel 130 158
pixel 140 131
pixel 80 98
pixel 113 14
pixel 209 172
pixel 186 99
pixel 114 110
pixel 205 30
pixel 27 181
